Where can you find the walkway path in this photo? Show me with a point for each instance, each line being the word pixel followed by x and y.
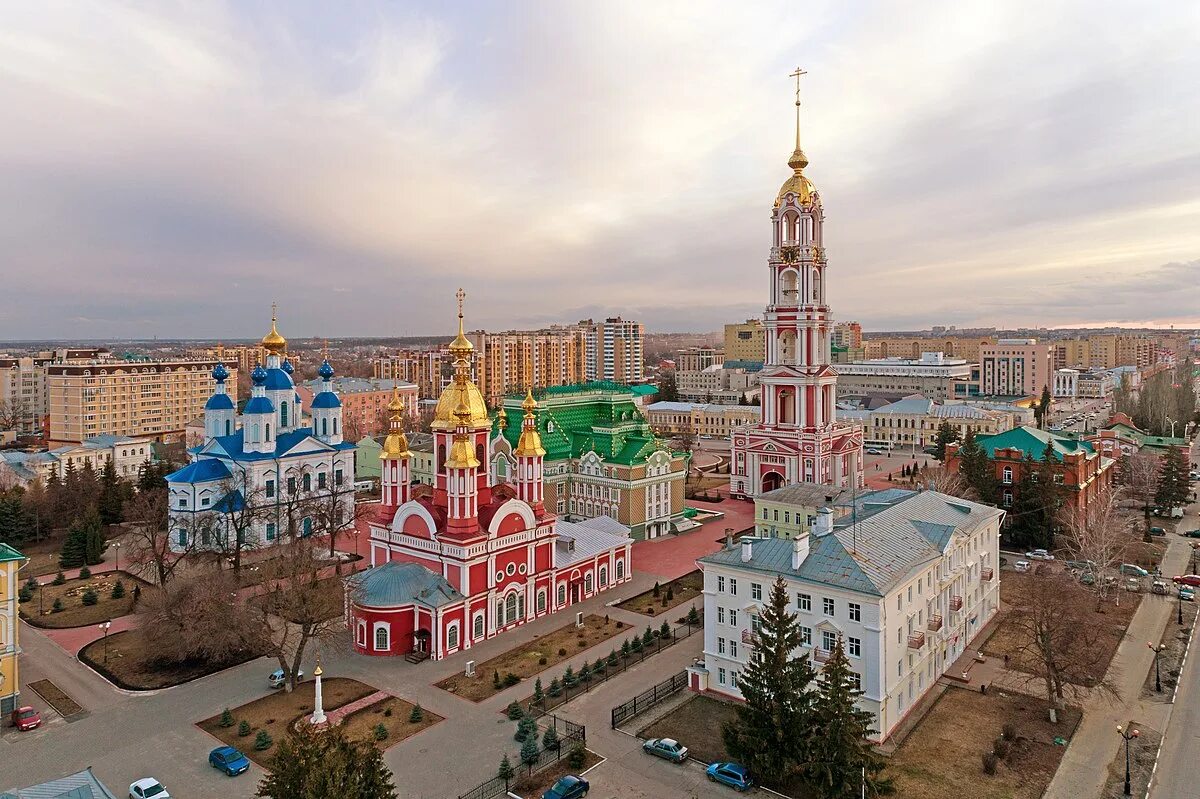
pixel 336 715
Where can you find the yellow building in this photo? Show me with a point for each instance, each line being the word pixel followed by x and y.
pixel 745 342
pixel 707 420
pixel 10 687
pixel 965 347
pixel 514 359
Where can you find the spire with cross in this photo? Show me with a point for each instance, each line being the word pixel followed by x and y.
pixel 798 160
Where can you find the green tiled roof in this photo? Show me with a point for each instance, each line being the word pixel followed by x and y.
pixel 1032 442
pixel 572 420
pixel 8 553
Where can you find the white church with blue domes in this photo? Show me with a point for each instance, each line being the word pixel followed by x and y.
pixel 265 457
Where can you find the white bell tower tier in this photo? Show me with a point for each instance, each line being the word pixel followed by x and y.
pixel 798 438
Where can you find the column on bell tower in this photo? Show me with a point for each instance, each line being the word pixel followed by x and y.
pixel 394 458
pixel 530 455
pixel 462 469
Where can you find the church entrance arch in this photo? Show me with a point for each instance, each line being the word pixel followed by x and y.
pixel 771 481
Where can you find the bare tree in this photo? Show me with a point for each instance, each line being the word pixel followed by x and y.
pixel 333 508
pixel 1059 643
pixel 201 620
pixel 945 481
pixel 149 538
pixel 236 516
pixel 1139 476
pixel 1098 536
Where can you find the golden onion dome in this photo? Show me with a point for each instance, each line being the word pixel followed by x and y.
pixel 460 345
pixel 448 403
pixel 396 406
pixel 530 404
pixel 798 183
pixel 461 455
pixel 395 446
pixel 273 342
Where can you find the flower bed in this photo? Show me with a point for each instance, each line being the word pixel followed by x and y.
pixel 680 590
pixel 394 714
pixel 39 610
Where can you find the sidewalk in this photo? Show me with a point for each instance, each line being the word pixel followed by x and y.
pixel 1084 768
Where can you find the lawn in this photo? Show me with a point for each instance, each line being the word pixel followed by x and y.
pixel 39 610
pixel 533 657
pixel 682 589
pixel 532 786
pixel 1014 596
pixel 393 713
pixel 65 705
pixel 941 758
pixel 276 711
pixel 129 663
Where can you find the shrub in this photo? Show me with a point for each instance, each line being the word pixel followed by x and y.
pixel 550 739
pixel 562 653
pixel 1009 731
pixel 514 711
pixel 665 630
pixel 990 762
pixel 555 689
pixel 118 590
pixel 59 579
pixel 380 732
pixel 387 713
pixel 577 757
pixel 529 751
pixel 693 616
pixel 510 680
pixel 85 573
pixel 582 644
pixel 57 606
pixel 262 741
pixel 657 590
pixel 24 594
pixel 226 718
pixel 31 584
pixel 416 715
pixel 542 661
pixel 663 602
pixel 496 679
pixel 137 593
pixel 89 597
pixel 670 592
pixel 506 771
pixel 1001 748
pixel 620 624
pixel 243 728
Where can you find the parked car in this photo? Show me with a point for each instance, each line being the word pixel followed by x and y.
pixel 1192 534
pixel 1022 566
pixel 1187 579
pixel 1133 584
pixel 1039 554
pixel 1134 571
pixel 1159 587
pixel 1157 531
pixel 568 787
pixel 26 718
pixel 666 748
pixel 1187 593
pixel 1081 565
pixel 148 787
pixel 874 451
pixel 278 678
pixel 732 774
pixel 229 760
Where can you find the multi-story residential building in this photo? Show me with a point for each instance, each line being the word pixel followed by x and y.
pixel 1105 351
pixel 364 402
pixel 10 646
pixel 697 359
pixel 1015 367
pixel 261 470
pixel 848 335
pixel 1080 469
pixel 914 422
pixel 430 370
pixel 602 457
pixel 706 420
pixel 965 348
pixel 153 400
pixel 746 341
pixel 514 359
pixel 23 405
pixel 933 375
pixel 127 454
pixel 907 582
pixel 725 384
pixel 245 356
pixel 613 350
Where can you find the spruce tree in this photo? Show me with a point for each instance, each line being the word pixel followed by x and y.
pixel 111 500
pixel 529 750
pixel 311 763
pixel 773 731
pixel 506 771
pixel 93 536
pixel 946 434
pixel 74 549
pixel 977 468
pixel 1174 487
pixel 840 756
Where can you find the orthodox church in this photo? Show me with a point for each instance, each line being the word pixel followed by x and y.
pixel 798 438
pixel 471 556
pixel 257 465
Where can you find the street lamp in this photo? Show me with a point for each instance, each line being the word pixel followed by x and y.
pixel 1171 422
pixel 1157 649
pixel 117 547
pixel 1128 735
pixel 104 625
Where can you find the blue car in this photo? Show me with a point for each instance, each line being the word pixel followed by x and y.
pixel 229 760
pixel 568 787
pixel 732 774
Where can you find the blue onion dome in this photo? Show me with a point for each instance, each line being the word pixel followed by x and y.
pixel 219 402
pixel 220 373
pixel 259 375
pixel 325 370
pixel 287 367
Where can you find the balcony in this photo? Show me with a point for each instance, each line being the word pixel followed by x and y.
pixel 956 603
pixel 822 655
pixel 749 638
pixel 986 574
pixel 935 623
pixel 916 640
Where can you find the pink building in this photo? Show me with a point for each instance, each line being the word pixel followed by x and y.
pixel 1015 367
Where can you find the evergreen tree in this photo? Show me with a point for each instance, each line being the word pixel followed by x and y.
pixel 74 548
pixel 773 731
pixel 529 750
pixel 506 771
pixel 312 763
pixel 55 495
pixel 1034 513
pixel 111 501
pixel 1041 411
pixel 550 738
pixel 977 468
pixel 14 520
pixel 841 757
pixel 1174 487
pixel 93 536
pixel 946 434
pixel 668 390
pixel 538 693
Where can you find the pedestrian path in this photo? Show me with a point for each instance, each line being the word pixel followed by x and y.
pixel 335 716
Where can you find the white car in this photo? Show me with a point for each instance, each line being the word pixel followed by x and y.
pixel 148 788
pixel 1039 554
pixel 1021 566
pixel 874 451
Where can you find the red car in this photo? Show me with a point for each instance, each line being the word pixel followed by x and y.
pixel 1187 579
pixel 26 718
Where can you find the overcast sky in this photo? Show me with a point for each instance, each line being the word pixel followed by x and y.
pixel 170 168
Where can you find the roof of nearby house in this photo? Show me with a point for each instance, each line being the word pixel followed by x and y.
pixel 872 555
pixel 204 470
pixel 1032 442
pixel 643 389
pixel 7 553
pixel 82 785
pixel 589 538
pixel 394 584
pixel 233 446
pixel 808 495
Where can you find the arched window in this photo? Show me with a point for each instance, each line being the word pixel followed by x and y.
pixel 228 426
pixel 603 576
pixel 256 432
pixel 480 455
pixel 182 537
pixel 307 526
pixel 283 414
pixel 541 601
pixel 268 431
pixel 587 583
pixel 324 427
pixel 308 481
pixel 452 636
pixel 1008 474
pixel 441 457
pixel 478 626
pixel 620 570
pixel 362 633
pixel 562 594
pixel 335 432
pixel 381 638
pixel 510 608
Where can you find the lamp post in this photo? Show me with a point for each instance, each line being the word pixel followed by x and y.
pixel 117 547
pixel 1157 649
pixel 1179 594
pixel 1172 422
pixel 1128 735
pixel 104 625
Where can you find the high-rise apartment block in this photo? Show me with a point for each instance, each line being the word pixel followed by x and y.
pixel 24 401
pixel 1105 352
pixel 140 399
pixel 246 357
pixel 1015 367
pixel 613 350
pixel 697 359
pixel 430 370
pixel 745 341
pixel 847 335
pixel 515 359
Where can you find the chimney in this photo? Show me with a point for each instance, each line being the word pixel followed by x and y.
pixel 729 538
pixel 747 550
pixel 824 525
pixel 799 550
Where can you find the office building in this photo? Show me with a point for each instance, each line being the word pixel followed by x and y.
pixel 697 359
pixel 932 375
pixel 701 419
pixel 746 341
pixel 1015 367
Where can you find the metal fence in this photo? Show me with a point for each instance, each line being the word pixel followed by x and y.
pixel 570 735
pixel 648 699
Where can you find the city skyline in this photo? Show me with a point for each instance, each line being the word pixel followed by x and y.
pixel 181 168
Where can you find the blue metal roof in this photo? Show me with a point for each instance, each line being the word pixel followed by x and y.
pixel 395 584
pixel 326 399
pixel 202 471
pixel 278 380
pixel 219 402
pixel 234 445
pixel 259 405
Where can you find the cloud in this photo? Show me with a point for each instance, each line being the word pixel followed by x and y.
pixel 175 168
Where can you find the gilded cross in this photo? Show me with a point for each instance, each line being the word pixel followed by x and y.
pixel 460 295
pixel 797 74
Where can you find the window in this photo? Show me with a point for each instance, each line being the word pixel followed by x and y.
pixel 587 583
pixel 337 476
pixel 805 636
pixel 541 601
pixel 733 586
pixel 855 610
pixel 322 479
pixel 720 646
pixel 183 538
pixel 452 636
pixel 721 676
pixel 270 531
pixel 270 488
pixel 479 624
pixel 733 647
pixel 854 647
pixel 720 584
pixel 308 482
pixel 827 606
pixel 733 677
pixel 1007 479
pixel 733 617
pixel 910 593
pixel 381 638
pixel 283 414
pixel 291 484
pixel 828 639
pixel 603 576
pixel 756 590
pixel 804 602
pixel 720 615
pixel 306 527
pixel 856 680
pixel 1008 497
pixel 620 570
pixel 183 502
pixel 562 594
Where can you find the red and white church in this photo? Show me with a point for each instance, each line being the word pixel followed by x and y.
pixel 464 560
